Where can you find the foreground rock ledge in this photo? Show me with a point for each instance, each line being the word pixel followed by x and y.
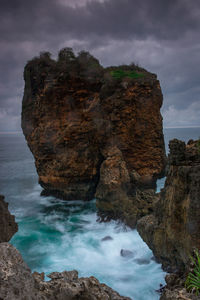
pixel 17 282
pixel 93 129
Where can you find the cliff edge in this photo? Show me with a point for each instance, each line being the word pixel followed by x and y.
pixel 173 230
pixel 93 131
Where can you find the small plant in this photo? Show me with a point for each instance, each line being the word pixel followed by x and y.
pixel 118 74
pixel 193 279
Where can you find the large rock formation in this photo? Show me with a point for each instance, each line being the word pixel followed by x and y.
pixel 91 129
pixel 18 283
pixel 173 230
pixel 8 227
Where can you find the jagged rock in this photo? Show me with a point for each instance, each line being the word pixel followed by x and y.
pixel 173 230
pixel 79 118
pixel 17 282
pixel 8 227
pixel 174 290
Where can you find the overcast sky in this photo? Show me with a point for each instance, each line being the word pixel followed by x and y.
pixel 162 36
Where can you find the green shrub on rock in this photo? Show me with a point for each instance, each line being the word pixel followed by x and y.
pixel 193 280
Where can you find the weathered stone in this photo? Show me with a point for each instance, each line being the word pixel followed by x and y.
pixel 84 126
pixel 175 290
pixel 17 282
pixel 8 227
pixel 173 230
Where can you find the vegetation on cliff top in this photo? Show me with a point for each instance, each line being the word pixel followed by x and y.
pixel 83 64
pixel 119 74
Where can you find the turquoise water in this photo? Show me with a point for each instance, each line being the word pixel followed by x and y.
pixel 56 235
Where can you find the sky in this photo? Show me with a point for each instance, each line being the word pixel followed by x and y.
pixel 162 36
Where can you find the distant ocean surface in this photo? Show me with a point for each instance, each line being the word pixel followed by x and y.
pixel 56 235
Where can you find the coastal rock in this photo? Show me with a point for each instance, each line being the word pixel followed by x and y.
pixel 175 290
pixel 81 121
pixel 126 253
pixel 17 282
pixel 173 230
pixel 8 227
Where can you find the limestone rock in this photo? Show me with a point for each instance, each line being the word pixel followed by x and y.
pixel 173 230
pixel 175 290
pixel 79 118
pixel 8 227
pixel 17 282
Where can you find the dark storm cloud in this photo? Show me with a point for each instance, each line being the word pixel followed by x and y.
pixel 162 36
pixel 119 19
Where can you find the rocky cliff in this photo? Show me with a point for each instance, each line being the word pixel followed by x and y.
pixel 8 227
pixel 93 131
pixel 173 230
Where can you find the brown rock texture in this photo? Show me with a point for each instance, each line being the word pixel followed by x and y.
pixel 8 227
pixel 18 283
pixel 173 230
pixel 175 290
pixel 82 120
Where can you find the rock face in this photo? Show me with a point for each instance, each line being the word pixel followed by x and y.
pixel 17 282
pixel 94 132
pixel 175 290
pixel 173 230
pixel 8 227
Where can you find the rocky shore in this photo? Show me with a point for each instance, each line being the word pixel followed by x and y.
pixel 95 132
pixel 163 230
pixel 18 283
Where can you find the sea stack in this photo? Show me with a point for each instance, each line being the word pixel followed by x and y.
pixel 93 131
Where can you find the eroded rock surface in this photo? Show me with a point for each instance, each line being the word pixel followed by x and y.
pixel 87 125
pixel 173 230
pixel 175 289
pixel 17 282
pixel 8 227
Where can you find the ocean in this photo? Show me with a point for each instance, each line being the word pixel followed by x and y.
pixel 57 235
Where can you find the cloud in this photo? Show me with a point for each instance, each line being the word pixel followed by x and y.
pixel 162 36
pixel 182 117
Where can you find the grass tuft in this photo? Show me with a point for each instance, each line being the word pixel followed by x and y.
pixel 119 74
pixel 193 279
